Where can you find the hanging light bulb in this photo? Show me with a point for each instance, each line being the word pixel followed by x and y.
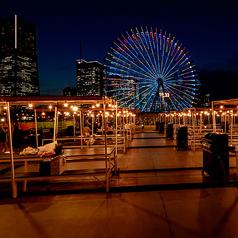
pixel 75 108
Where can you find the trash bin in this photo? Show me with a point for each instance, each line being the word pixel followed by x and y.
pixel 161 128
pixel 169 131
pixel 157 126
pixel 182 138
pixel 216 155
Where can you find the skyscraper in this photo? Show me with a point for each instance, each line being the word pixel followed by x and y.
pixel 89 78
pixel 18 58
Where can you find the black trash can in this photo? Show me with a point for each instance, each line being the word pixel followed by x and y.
pixel 157 126
pixel 169 131
pixel 161 128
pixel 182 138
pixel 216 155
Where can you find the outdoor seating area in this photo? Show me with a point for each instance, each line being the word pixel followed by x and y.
pixel 127 156
pixel 220 118
pixel 151 161
pixel 98 147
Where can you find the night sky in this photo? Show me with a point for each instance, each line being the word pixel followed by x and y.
pixel 208 30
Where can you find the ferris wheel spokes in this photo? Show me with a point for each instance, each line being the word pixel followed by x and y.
pixel 153 71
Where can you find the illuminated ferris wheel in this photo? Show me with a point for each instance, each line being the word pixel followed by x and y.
pixel 150 71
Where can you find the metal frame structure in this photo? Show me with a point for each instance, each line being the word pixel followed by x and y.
pixel 103 104
pixel 227 111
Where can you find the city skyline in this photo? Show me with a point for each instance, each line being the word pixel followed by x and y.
pixel 206 30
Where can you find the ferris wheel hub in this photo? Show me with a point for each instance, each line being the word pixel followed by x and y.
pixel 160 82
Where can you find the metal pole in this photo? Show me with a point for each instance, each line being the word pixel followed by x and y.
pixel 83 120
pixel 231 127
pixel 57 124
pixel 36 128
pixel 54 136
pixel 213 119
pixel 14 184
pixel 102 124
pixel 194 132
pixel 74 123
pixel 93 122
pixel 116 127
pixel 105 137
pixel 201 118
pixel 81 129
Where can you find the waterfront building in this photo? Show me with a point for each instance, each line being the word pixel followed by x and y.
pixel 18 58
pixel 90 78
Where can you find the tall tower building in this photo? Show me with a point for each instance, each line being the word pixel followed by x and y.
pixel 18 58
pixel 89 78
